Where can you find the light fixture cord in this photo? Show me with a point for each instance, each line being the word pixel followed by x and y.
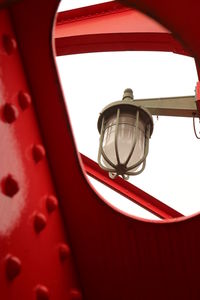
pixel 194 126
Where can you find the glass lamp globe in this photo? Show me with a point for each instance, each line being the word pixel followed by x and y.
pixel 125 129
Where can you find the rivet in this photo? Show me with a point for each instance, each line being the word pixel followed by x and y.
pixel 42 292
pixel 75 295
pixel 9 113
pixel 51 203
pixel 24 100
pixel 38 153
pixel 13 266
pixel 9 43
pixel 9 186
pixel 64 252
pixel 39 221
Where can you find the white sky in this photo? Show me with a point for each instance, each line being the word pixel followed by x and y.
pixel 91 81
pixel 71 4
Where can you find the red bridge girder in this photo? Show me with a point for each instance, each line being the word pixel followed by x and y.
pixel 111 27
pixel 130 191
pixel 116 256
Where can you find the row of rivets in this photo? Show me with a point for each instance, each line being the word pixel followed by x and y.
pixel 13 269
pixel 39 219
pixel 10 187
pixel 13 263
pixel 42 293
pixel 10 112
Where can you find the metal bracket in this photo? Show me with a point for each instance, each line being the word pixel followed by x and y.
pixel 173 106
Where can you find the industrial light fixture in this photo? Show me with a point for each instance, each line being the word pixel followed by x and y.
pixel 125 128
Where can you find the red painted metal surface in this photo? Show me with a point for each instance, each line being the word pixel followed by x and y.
pixel 130 191
pixel 111 27
pixel 116 256
pixel 172 15
pixel 197 96
pixel 30 232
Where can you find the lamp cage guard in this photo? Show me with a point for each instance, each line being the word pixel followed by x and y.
pixel 119 168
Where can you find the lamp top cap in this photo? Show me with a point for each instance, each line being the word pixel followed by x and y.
pixel 128 94
pixel 127 104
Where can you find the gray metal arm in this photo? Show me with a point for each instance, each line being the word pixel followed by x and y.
pixel 173 106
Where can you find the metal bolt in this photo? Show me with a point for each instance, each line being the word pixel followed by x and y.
pixel 9 113
pixel 9 43
pixel 13 266
pixel 42 292
pixel 9 186
pixel 75 295
pixel 51 203
pixel 39 222
pixel 64 252
pixel 38 153
pixel 24 100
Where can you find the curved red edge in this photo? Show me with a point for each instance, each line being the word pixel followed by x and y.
pixel 117 257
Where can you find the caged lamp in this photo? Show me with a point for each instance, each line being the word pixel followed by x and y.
pixel 125 128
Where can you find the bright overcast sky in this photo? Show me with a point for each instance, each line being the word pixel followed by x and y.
pixel 91 81
pixel 71 4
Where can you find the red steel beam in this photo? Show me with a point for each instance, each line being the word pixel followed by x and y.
pixel 130 191
pixel 111 27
